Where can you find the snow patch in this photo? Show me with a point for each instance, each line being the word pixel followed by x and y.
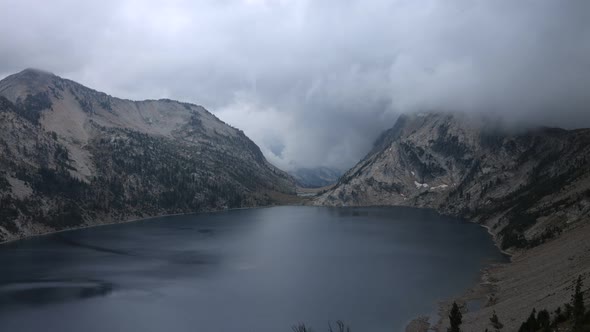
pixel 442 186
pixel 421 185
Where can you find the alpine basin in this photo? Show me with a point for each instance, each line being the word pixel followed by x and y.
pixel 243 270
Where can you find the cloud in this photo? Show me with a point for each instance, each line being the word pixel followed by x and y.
pixel 315 82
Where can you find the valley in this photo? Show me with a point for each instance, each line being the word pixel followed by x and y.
pixel 73 157
pixel 276 165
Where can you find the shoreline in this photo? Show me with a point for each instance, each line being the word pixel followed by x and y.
pixel 433 322
pixel 478 288
pixel 538 277
pixel 482 290
pixel 127 221
pixel 90 226
pixel 495 239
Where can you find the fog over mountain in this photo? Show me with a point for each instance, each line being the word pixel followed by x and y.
pixel 315 82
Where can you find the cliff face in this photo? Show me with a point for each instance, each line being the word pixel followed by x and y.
pixel 71 156
pixel 527 185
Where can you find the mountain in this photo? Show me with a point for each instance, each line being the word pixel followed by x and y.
pixel 529 187
pixel 71 156
pixel 526 186
pixel 315 177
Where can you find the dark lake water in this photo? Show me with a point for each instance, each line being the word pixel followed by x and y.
pixel 257 270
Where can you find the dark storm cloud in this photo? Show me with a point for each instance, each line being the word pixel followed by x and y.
pixel 314 82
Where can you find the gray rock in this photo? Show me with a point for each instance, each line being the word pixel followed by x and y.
pixel 525 185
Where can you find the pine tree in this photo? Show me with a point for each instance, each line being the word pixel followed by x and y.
pixel 578 304
pixel 544 320
pixel 341 327
pixel 496 324
pixel 559 317
pixel 301 328
pixel 456 318
pixel 531 324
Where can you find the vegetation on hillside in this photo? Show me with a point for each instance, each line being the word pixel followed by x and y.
pixel 572 318
pixel 134 174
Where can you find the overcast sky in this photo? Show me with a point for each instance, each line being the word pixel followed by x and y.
pixel 313 83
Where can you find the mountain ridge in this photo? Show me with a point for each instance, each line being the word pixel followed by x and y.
pixel 461 165
pixel 72 156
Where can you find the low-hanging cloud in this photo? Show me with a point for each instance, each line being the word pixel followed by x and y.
pixel 315 82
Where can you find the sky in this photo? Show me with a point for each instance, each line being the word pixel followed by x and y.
pixel 313 83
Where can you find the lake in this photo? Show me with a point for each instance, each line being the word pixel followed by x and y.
pixel 257 270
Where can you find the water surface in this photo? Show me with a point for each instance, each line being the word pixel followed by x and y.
pixel 260 270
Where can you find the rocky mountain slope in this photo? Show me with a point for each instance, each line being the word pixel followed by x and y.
pixel 527 186
pixel 71 156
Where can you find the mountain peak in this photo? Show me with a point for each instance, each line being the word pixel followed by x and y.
pixel 33 74
pixel 28 81
pixel 36 71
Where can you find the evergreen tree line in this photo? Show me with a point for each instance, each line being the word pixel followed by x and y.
pixel 573 316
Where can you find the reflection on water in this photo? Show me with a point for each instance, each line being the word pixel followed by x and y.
pixel 67 240
pixel 259 269
pixel 37 293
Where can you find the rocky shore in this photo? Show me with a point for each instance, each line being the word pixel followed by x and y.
pixel 540 278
